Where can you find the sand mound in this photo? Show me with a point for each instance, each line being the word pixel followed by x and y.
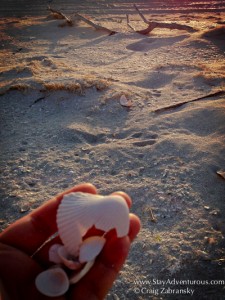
pixel 218 33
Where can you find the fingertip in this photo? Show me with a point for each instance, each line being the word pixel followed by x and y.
pixel 87 188
pixel 83 187
pixel 135 226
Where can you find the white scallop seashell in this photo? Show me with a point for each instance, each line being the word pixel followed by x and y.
pixel 54 255
pixel 52 282
pixel 75 278
pixel 125 102
pixel 78 212
pixel 90 248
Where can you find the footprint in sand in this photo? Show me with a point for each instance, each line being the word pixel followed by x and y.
pixel 138 139
pixel 81 136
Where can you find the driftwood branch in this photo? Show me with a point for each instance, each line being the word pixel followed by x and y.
pixel 128 23
pixel 141 15
pixel 153 25
pixel 96 26
pixel 176 105
pixel 144 31
pixel 68 20
pixel 84 19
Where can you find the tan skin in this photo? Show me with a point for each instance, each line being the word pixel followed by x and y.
pixel 21 239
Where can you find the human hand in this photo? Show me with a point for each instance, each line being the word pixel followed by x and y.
pixel 19 267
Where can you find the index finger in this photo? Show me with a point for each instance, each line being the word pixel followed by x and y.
pixel 31 231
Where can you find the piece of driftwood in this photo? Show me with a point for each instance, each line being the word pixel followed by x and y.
pixel 68 20
pixel 96 26
pixel 153 25
pixel 176 105
pixel 128 23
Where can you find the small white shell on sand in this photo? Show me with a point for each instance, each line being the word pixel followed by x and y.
pixel 78 212
pixel 125 102
pixel 52 282
pixel 78 276
pixel 90 248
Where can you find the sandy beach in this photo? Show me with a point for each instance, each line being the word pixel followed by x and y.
pixel 64 122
